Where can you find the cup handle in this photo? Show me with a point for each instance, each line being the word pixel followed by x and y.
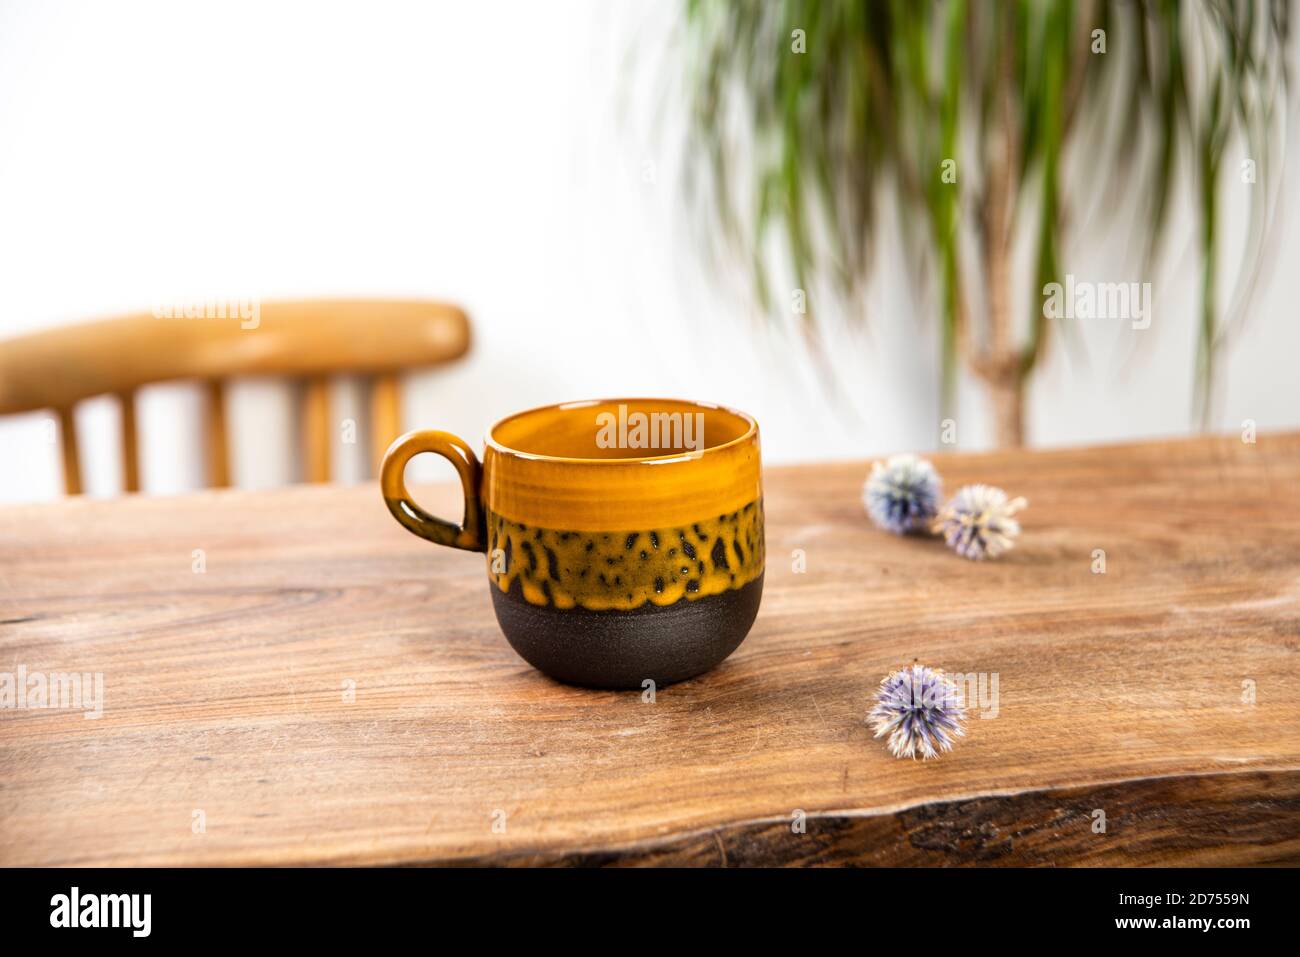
pixel 470 533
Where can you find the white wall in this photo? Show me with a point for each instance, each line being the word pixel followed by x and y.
pixel 499 154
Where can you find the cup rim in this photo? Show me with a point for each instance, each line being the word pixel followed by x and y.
pixel 752 429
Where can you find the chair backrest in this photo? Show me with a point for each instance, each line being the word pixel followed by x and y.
pixel 311 339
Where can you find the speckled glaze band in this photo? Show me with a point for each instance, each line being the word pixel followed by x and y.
pixel 609 566
pixel 600 571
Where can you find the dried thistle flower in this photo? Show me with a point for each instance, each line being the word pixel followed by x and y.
pixel 920 710
pixel 977 523
pixel 902 494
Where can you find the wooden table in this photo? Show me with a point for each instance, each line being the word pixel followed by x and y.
pixel 331 690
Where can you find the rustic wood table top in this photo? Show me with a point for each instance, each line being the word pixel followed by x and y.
pixel 291 678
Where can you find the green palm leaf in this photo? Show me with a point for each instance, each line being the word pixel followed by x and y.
pixel 884 92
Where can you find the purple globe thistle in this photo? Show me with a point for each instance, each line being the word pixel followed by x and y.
pixel 902 494
pixel 977 523
pixel 920 710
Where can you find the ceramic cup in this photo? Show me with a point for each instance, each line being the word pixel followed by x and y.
pixel 624 537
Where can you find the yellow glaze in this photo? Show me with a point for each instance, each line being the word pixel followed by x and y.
pixel 548 468
pixel 607 504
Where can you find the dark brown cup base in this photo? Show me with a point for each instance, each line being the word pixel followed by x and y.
pixel 621 649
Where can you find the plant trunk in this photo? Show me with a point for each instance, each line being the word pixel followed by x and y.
pixel 1007 398
pixel 1002 376
pixel 1001 366
pixel 1000 369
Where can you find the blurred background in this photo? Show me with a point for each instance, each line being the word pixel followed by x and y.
pixel 536 164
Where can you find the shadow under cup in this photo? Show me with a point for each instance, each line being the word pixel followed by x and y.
pixel 624 538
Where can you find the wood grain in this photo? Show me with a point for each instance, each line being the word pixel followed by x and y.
pixel 226 690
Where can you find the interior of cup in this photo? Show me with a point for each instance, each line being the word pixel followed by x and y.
pixel 606 429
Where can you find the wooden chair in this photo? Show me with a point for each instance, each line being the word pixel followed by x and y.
pixel 57 368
